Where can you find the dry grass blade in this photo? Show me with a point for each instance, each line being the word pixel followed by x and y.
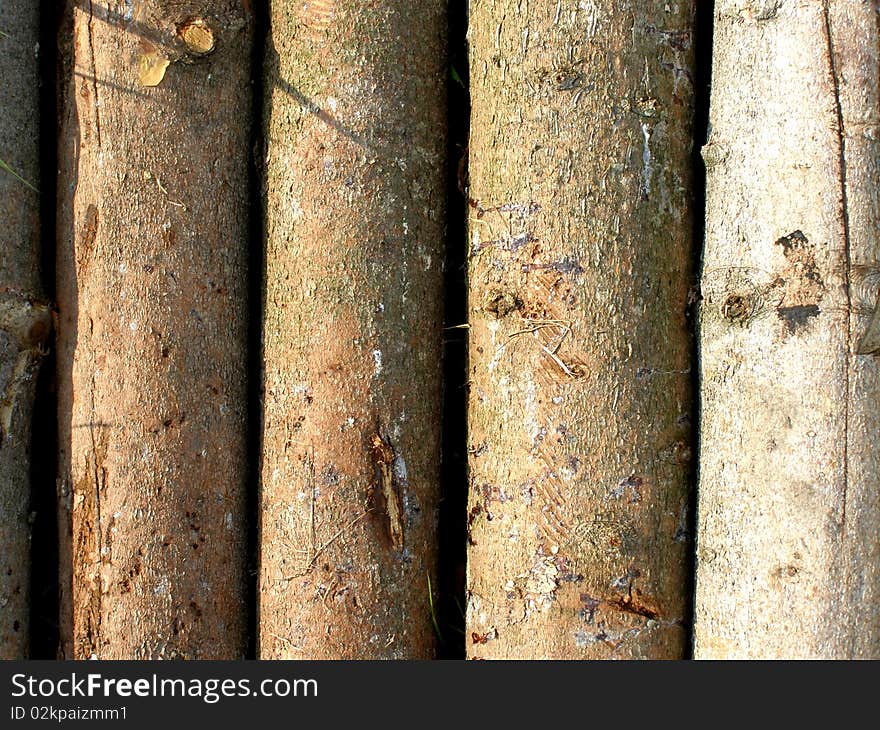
pixel 7 168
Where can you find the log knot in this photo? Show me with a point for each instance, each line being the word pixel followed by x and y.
pixel 26 320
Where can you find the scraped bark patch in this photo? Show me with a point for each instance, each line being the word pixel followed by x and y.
pixel 389 491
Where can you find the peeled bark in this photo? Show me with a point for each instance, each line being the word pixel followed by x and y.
pixel 788 555
pixel 24 319
pixel 355 187
pixel 152 288
pixel 580 407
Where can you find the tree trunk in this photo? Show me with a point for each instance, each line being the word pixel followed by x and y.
pixel 24 319
pixel 580 250
pixel 788 555
pixel 355 134
pixel 152 288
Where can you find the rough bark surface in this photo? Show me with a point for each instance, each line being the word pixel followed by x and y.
pixel 24 319
pixel 789 505
pixel 152 266
pixel 355 135
pixel 580 249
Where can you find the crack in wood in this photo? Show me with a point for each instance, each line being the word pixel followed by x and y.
pixel 847 272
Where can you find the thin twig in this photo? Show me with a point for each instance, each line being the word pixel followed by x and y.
pixel 324 546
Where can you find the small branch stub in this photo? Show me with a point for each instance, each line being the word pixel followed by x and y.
pixel 198 37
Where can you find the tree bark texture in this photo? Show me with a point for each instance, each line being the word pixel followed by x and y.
pixel 355 195
pixel 580 250
pixel 152 288
pixel 789 489
pixel 24 318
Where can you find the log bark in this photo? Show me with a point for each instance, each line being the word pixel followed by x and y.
pixel 24 317
pixel 152 288
pixel 580 250
pixel 788 555
pixel 355 188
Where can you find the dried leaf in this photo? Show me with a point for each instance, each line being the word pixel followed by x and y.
pixel 151 69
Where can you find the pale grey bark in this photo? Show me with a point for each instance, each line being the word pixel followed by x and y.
pixel 788 554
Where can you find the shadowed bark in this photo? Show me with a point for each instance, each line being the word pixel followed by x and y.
pixel 24 317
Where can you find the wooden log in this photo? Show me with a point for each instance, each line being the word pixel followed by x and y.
pixel 153 238
pixel 788 560
pixel 355 204
pixel 580 369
